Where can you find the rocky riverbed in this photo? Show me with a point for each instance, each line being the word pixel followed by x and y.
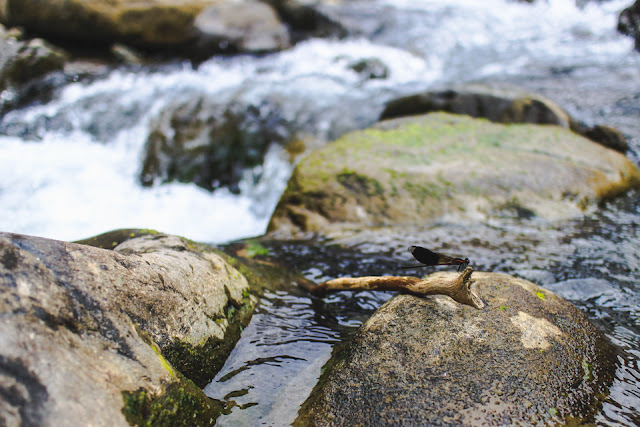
pixel 506 132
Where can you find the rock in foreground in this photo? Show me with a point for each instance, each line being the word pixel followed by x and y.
pixel 93 336
pixel 529 357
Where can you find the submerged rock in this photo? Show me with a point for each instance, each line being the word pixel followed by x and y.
pixel 529 357
pixel 501 105
pixel 416 170
pixel 107 337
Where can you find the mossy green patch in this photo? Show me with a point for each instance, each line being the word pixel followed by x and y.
pixel 201 362
pixel 256 249
pixel 181 404
pixel 111 239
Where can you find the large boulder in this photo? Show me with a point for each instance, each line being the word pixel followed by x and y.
pixel 501 104
pixel 112 337
pixel 146 23
pixel 528 358
pixel 629 22
pixel 189 28
pixel 211 144
pixel 441 166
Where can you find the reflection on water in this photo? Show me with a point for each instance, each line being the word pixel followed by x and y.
pixel 275 364
pixel 593 262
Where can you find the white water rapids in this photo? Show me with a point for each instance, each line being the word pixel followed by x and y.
pixel 80 177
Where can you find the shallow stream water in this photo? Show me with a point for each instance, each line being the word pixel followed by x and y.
pixel 69 169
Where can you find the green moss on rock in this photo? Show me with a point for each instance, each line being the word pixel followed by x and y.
pixel 201 362
pixel 182 403
pixel 111 239
pixel 424 168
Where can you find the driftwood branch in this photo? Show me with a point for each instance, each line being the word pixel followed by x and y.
pixel 459 289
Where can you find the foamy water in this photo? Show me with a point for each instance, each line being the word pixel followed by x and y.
pixel 81 176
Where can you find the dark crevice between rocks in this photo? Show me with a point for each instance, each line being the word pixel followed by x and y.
pixel 181 403
pixel 20 389
pixel 111 239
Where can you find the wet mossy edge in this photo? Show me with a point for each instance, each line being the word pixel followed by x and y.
pixel 200 363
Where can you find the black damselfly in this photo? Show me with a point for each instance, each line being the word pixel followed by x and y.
pixel 429 258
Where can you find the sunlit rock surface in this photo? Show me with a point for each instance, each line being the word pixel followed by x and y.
pixel 106 337
pixel 439 166
pixel 529 357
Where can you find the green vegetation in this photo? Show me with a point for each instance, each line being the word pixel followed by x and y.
pixel 256 249
pixel 183 403
pixel 201 362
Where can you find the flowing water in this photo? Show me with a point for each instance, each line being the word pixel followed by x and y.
pixel 69 169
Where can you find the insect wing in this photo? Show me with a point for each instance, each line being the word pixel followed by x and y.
pixel 427 257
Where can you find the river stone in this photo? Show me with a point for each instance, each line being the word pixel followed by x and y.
pixel 249 26
pixel 439 166
pixel 501 104
pixel 528 358
pixel 144 23
pixel 209 143
pixel 629 22
pixel 309 19
pixel 94 336
pixel 24 60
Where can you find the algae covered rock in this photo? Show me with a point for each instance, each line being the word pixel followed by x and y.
pixel 416 170
pixel 501 104
pixel 529 357
pixel 108 337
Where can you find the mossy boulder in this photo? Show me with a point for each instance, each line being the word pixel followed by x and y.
pixel 189 28
pixel 528 358
pixel 501 104
pixel 442 166
pixel 146 23
pixel 114 336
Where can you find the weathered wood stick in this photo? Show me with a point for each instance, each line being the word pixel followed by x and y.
pixel 459 289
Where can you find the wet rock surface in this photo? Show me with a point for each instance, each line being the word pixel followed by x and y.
pixel 449 167
pixel 528 357
pixel 198 140
pixel 109 337
pixel 193 29
pixel 23 60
